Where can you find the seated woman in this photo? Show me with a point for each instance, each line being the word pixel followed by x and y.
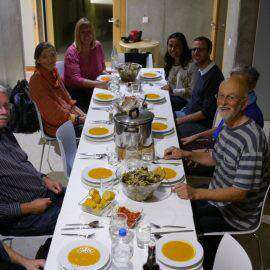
pixel 84 61
pixel 180 70
pixel 50 94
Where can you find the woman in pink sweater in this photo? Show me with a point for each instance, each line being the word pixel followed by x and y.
pixel 84 61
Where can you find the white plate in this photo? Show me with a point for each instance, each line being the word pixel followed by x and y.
pixel 110 132
pixel 179 237
pixel 103 261
pixel 103 77
pixel 179 172
pixel 168 129
pixel 87 178
pixel 146 74
pixel 100 99
pixel 160 97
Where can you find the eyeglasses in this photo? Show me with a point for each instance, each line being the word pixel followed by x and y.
pixel 229 98
pixel 5 106
pixel 197 49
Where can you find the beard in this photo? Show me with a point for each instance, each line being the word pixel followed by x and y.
pixel 230 114
pixel 4 118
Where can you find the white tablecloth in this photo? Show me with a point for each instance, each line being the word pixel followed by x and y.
pixel 169 211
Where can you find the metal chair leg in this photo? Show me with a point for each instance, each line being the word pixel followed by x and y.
pixel 260 249
pixel 41 159
pixel 48 157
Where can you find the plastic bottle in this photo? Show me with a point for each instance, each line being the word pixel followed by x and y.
pixel 122 247
pixel 114 58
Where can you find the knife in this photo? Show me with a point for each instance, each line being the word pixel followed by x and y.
pixel 78 228
pixel 167 232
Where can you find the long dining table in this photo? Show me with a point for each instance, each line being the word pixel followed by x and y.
pixel 171 210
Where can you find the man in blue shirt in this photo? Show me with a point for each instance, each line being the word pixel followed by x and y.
pixel 200 111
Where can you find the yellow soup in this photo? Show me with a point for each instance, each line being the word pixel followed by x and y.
pixel 100 173
pixel 153 96
pixel 149 74
pixel 169 173
pixel 179 251
pixel 159 126
pixel 104 96
pixel 84 256
pixel 105 79
pixel 98 131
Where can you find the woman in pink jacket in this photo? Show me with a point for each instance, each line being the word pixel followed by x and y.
pixel 84 61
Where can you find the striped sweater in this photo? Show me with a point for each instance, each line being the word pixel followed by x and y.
pixel 241 154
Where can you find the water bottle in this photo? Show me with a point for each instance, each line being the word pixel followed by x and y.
pixel 114 58
pixel 122 247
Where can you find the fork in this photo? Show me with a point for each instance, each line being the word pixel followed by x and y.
pixel 165 226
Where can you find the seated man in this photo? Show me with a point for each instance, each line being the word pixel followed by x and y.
pixel 206 139
pixel 200 111
pixel 12 260
pixel 235 195
pixel 29 201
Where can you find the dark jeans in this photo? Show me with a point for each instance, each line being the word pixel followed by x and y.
pixel 78 130
pixel 190 128
pixel 82 96
pixel 208 218
pixel 36 224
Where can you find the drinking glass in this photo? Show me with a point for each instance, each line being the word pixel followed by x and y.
pixel 143 234
pixel 118 221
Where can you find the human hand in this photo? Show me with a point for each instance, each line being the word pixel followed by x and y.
pixel 38 206
pixel 54 186
pixel 180 120
pixel 102 85
pixel 34 264
pixel 189 139
pixel 185 191
pixel 173 153
pixel 166 87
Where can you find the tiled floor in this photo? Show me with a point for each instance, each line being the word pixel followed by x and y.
pixel 30 143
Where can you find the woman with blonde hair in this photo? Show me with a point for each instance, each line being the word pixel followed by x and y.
pixel 84 61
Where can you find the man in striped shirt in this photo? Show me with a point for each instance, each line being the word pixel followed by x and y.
pixel 29 201
pixel 235 195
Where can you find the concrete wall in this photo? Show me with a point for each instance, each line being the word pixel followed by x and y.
pixel 193 18
pixel 261 57
pixel 11 46
pixel 28 31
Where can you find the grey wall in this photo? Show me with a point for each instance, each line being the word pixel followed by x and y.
pixel 11 52
pixel 193 18
pixel 261 57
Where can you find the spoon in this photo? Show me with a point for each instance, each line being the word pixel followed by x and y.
pixel 92 224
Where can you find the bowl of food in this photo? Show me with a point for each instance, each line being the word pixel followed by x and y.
pixel 128 71
pixel 140 182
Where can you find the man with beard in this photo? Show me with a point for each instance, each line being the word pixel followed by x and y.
pixel 199 113
pixel 29 201
pixel 235 195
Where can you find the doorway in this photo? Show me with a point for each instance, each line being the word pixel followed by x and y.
pixel 107 16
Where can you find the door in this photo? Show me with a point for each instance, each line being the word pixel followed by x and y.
pixel 107 16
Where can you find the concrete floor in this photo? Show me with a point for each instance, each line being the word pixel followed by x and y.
pixel 30 144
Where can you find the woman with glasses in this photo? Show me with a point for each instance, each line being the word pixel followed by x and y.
pixel 84 61
pixel 48 91
pixel 180 70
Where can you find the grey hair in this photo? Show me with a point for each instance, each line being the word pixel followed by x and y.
pixel 249 71
pixel 3 89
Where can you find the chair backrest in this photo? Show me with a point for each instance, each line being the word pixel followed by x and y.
pixel 60 67
pixel 231 255
pixel 66 138
pixel 149 59
pixel 40 121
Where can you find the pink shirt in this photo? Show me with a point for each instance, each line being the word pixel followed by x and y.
pixel 78 68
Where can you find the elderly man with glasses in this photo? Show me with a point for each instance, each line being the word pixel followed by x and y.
pixel 199 113
pixel 235 195
pixel 29 201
